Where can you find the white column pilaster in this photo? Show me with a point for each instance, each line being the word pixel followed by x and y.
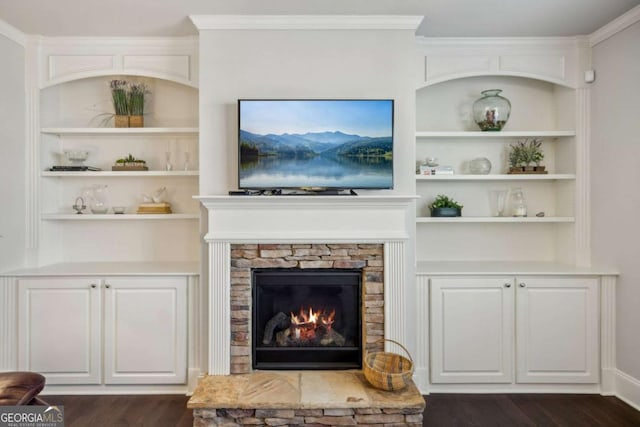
pixel 394 301
pixel 583 183
pixel 219 308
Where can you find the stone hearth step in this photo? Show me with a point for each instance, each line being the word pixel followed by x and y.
pixel 320 398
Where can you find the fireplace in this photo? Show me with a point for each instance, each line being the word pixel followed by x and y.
pixel 306 319
pixel 303 232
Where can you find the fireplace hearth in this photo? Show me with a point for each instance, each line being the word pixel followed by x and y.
pixel 306 319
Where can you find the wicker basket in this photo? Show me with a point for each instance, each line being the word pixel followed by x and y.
pixel 388 371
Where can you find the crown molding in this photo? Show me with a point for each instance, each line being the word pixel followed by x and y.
pixel 615 26
pixel 92 42
pixel 12 33
pixel 560 42
pixel 306 22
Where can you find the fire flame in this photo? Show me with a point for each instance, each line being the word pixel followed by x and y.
pixel 307 321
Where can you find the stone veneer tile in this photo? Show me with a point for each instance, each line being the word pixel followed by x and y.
pixel 271 389
pixel 303 390
pixel 220 391
pixel 331 389
pixel 245 257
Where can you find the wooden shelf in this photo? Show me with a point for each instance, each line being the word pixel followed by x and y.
pixel 495 135
pixel 495 219
pixel 120 131
pixel 119 174
pixel 498 177
pixel 114 217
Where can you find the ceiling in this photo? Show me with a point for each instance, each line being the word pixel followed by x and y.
pixel 443 18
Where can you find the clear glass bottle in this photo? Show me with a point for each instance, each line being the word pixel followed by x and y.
pixel 518 203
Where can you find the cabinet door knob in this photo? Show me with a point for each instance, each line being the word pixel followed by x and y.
pixel 93 286
pixel 507 285
pixel 522 285
pixel 108 286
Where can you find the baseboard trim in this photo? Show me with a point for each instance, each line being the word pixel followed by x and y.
pixel 628 389
pixel 421 380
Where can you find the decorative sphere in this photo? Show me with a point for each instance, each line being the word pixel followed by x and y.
pixel 480 166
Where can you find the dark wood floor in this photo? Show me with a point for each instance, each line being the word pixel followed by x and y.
pixel 491 410
pixel 567 410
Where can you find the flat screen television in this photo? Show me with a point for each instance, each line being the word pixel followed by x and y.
pixel 333 144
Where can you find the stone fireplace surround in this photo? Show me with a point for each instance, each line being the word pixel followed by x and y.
pixel 303 224
pixel 369 257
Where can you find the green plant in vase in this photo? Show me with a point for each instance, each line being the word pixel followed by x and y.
pixel 137 92
pixel 535 153
pixel 119 96
pixel 445 206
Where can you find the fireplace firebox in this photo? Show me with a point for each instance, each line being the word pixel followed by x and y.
pixel 306 319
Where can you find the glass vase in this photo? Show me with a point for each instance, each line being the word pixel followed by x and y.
pixel 491 111
pixel 518 203
pixel 97 196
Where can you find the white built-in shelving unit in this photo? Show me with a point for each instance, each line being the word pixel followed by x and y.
pixel 445 130
pixel 74 107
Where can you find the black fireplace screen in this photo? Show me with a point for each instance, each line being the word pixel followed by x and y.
pixel 307 319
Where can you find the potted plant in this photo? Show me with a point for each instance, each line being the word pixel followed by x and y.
pixel 119 96
pixel 535 154
pixel 137 92
pixel 445 206
pixel 130 163
pixel 523 154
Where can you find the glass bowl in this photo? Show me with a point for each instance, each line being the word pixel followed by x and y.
pixel 76 157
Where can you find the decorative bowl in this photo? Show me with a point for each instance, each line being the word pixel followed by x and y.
pixel 99 210
pixel 76 157
pixel 119 209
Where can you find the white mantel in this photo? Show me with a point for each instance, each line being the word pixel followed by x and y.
pixel 308 219
pixel 303 219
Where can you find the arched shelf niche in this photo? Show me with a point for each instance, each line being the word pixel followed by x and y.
pixel 537 103
pixel 86 101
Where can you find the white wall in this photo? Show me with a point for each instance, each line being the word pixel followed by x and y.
pixel 615 162
pixel 305 64
pixel 299 64
pixel 12 152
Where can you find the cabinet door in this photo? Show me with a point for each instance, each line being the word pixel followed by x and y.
pixel 557 330
pixel 471 330
pixel 145 330
pixel 59 329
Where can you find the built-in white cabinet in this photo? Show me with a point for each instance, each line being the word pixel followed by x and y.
pixel 104 330
pixel 511 303
pixel 543 328
pixel 472 330
pixel 60 324
pixel 557 330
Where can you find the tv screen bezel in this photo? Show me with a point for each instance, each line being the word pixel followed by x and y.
pixel 268 188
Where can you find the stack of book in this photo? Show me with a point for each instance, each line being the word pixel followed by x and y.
pixel 154 208
pixel 436 170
